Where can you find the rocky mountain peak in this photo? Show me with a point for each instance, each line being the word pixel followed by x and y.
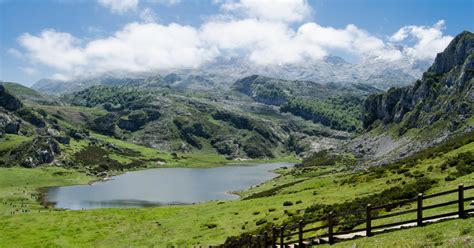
pixel 443 94
pixel 455 54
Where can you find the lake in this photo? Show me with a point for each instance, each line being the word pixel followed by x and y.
pixel 163 186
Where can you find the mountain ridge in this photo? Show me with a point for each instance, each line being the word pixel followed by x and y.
pixel 222 73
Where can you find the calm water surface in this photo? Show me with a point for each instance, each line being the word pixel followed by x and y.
pixel 163 186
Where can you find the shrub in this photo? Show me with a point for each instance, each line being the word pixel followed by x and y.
pixel 261 221
pixel 450 177
pixel 298 202
pixel 30 116
pixel 271 209
pixel 287 203
pixel 42 112
pixel 256 213
pixel 211 225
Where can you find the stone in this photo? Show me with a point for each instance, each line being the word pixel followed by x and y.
pixel 12 128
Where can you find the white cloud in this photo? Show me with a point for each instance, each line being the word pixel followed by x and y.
pixel 135 48
pixel 165 2
pixel 60 77
pixel 54 49
pixel 28 70
pixel 15 53
pixel 119 6
pixel 261 36
pixel 351 39
pixel 148 15
pixel 429 40
pixel 270 10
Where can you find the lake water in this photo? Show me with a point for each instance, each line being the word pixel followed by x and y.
pixel 163 186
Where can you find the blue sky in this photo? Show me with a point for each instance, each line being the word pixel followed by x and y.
pixel 67 38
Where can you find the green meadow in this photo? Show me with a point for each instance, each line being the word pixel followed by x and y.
pixel 26 223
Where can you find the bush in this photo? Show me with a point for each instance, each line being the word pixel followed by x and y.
pixel 287 203
pixel 31 117
pixel 271 209
pixel 261 221
pixel 450 177
pixel 256 213
pixel 298 202
pixel 210 226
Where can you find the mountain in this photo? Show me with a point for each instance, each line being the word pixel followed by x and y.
pixel 58 87
pixel 407 119
pixel 229 124
pixel 222 73
pixel 24 93
pixel 275 91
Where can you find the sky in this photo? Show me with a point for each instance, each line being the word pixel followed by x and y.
pixel 65 39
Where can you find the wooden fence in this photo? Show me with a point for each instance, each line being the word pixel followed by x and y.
pixel 294 234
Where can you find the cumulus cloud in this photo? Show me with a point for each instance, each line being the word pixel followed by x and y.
pixel 54 49
pixel 428 40
pixel 137 47
pixel 119 6
pixel 270 10
pixel 262 37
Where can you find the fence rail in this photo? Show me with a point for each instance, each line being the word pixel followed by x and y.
pixel 284 236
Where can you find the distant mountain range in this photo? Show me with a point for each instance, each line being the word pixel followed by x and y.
pixel 222 73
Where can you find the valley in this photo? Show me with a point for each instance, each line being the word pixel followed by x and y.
pixel 352 144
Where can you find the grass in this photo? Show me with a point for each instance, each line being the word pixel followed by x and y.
pixel 453 233
pixel 12 140
pixel 20 90
pixel 19 185
pixel 190 225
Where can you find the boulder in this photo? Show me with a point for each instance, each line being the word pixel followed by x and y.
pixel 12 127
pixel 41 150
pixel 63 139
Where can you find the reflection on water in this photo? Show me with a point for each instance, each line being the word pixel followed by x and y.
pixel 163 186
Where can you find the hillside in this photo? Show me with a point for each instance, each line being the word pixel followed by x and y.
pixel 312 189
pixel 408 119
pixel 332 105
pixel 180 122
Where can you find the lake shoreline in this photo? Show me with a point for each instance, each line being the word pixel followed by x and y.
pixel 146 202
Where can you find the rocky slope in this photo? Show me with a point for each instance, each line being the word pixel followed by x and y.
pixel 410 118
pixel 226 124
pixel 275 91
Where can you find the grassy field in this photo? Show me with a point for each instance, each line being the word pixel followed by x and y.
pixel 211 222
pixel 453 233
pixel 12 140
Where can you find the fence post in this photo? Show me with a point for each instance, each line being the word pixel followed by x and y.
pixel 300 233
pixel 330 228
pixel 282 238
pixel 265 239
pixel 419 212
pixel 274 237
pixel 462 214
pixel 368 225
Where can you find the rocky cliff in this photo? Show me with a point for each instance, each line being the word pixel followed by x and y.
pixel 444 94
pixel 408 119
